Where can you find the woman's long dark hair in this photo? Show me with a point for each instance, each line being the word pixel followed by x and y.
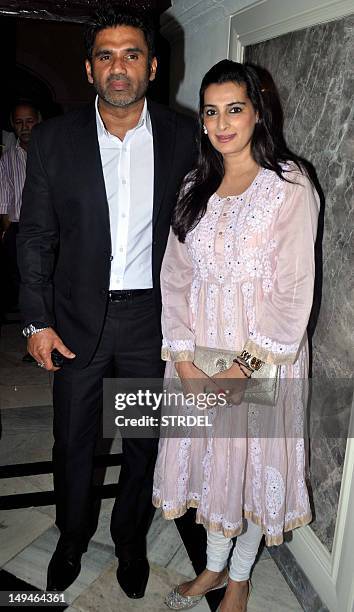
pixel 268 145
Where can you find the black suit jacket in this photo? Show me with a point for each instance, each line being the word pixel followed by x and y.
pixel 64 242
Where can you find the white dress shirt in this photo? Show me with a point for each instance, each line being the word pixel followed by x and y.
pixel 128 170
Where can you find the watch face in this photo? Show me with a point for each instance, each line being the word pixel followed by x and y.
pixel 28 331
pixel 255 363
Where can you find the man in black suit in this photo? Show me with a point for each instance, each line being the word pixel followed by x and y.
pixel 100 188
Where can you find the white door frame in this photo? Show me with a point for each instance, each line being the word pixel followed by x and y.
pixel 266 19
pixel 331 574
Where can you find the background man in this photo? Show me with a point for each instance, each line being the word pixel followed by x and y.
pixel 24 117
pixel 100 188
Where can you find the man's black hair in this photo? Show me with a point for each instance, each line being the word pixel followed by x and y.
pixel 109 16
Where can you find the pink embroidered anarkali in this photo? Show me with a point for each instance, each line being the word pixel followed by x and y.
pixel 243 279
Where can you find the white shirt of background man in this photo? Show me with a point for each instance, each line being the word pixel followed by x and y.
pixel 12 180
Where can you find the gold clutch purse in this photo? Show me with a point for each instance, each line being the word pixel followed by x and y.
pixel 262 388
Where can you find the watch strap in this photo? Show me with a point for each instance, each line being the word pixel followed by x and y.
pixel 33 328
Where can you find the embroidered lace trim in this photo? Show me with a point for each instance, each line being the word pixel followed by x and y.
pixel 177 350
pixel 218 523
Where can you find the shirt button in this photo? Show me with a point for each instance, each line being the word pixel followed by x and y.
pixel 124 181
pixel 220 233
pixel 123 215
pixel 121 250
pixel 224 214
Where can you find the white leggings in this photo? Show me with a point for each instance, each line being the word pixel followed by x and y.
pixel 243 556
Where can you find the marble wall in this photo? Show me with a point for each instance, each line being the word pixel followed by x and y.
pixel 314 71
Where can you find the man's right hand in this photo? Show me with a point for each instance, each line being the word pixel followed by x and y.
pixel 41 345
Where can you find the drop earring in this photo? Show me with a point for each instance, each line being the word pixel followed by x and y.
pixel 205 130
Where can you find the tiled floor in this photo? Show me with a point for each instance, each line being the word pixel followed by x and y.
pixel 28 536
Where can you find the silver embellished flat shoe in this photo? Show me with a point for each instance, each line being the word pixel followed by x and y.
pixel 176 601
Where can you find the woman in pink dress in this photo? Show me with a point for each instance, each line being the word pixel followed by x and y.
pixel 238 275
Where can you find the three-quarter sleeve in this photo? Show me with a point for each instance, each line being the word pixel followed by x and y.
pixel 281 323
pixel 176 278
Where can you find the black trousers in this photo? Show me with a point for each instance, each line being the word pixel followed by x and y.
pixel 129 348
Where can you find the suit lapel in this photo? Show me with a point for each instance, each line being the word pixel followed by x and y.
pixel 88 165
pixel 164 133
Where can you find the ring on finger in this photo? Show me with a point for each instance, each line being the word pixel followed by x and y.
pixel 40 364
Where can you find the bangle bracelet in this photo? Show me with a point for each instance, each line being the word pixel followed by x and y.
pixel 240 361
pixel 246 375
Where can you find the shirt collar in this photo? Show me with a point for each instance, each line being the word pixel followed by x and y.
pixel 144 120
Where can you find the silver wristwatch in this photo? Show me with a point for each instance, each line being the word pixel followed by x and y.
pixel 31 329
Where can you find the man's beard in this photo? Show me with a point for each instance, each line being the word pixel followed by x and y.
pixel 121 99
